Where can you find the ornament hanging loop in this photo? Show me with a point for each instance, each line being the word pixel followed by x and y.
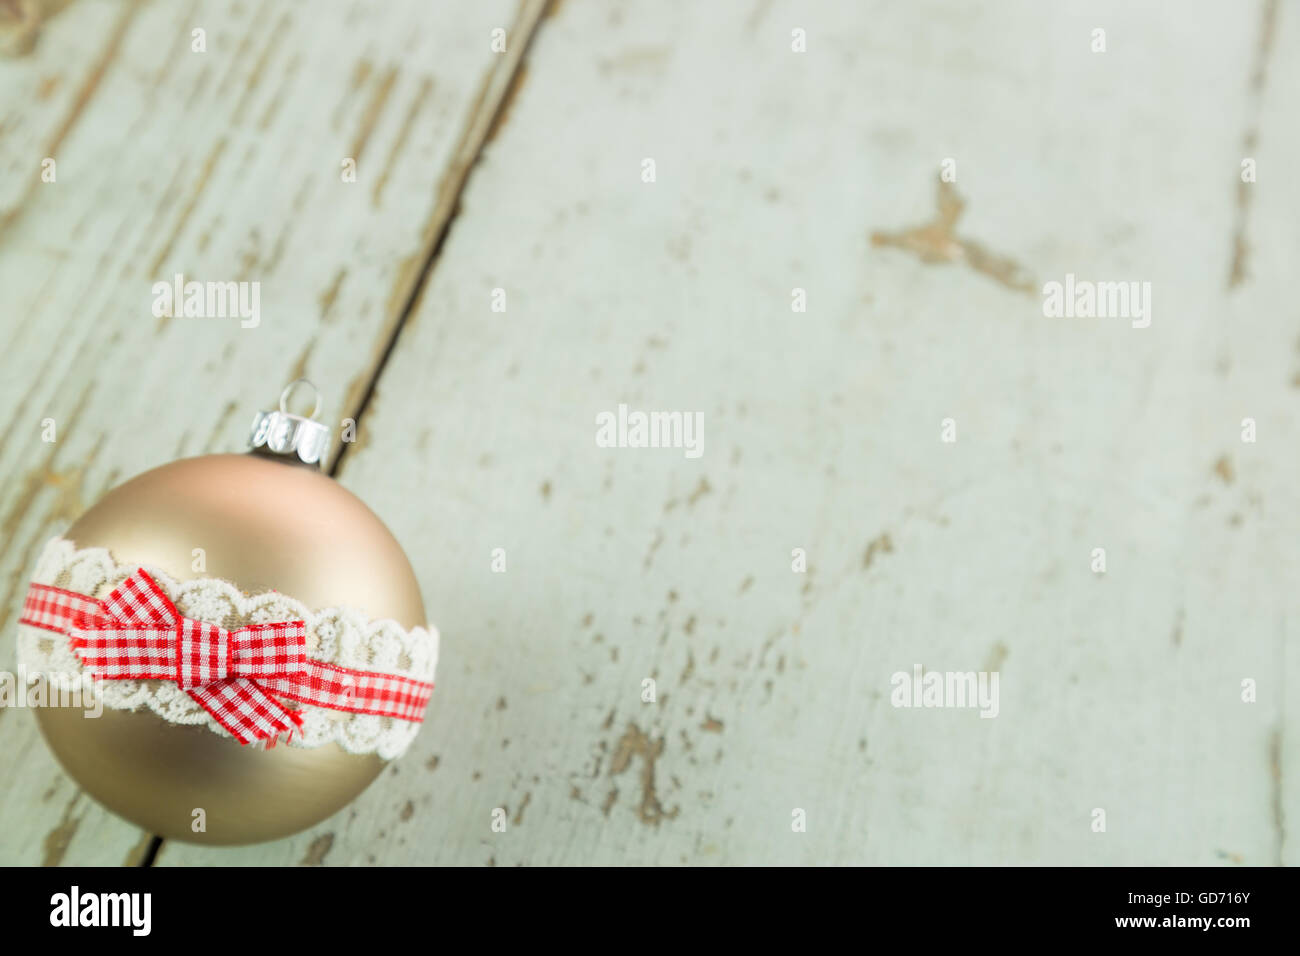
pixel 288 390
pixel 284 435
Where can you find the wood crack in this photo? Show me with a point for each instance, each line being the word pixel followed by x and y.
pixel 492 98
pixel 1239 268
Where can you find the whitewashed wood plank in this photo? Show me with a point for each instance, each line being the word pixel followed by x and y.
pixel 822 432
pixel 223 165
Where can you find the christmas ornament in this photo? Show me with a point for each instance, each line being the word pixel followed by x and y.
pixel 252 632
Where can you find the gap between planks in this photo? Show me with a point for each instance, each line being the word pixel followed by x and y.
pixel 488 110
pixel 486 114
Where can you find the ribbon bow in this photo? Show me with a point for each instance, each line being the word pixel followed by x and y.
pixel 137 633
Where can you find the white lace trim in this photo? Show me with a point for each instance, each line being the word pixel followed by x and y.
pixel 334 635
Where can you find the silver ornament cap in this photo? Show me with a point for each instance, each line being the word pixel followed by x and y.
pixel 283 434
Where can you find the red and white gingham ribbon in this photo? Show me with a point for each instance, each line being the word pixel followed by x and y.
pixel 136 633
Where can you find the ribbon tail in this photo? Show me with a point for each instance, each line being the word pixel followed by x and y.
pixel 245 709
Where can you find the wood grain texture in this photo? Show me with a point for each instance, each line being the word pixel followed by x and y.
pixel 223 165
pixel 775 170
pixel 822 432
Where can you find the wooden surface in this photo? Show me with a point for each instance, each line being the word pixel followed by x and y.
pixel 775 170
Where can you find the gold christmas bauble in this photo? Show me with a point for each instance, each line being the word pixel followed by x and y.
pixel 262 524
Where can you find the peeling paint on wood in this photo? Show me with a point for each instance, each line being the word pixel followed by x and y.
pixel 820 430
pixel 243 185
